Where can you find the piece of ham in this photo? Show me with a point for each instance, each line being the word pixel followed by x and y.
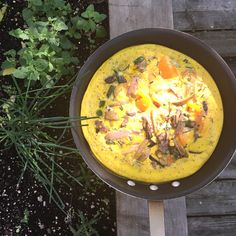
pixel 131 113
pixel 133 86
pixel 114 135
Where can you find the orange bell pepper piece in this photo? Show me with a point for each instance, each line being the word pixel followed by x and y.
pixel 167 70
pixel 142 103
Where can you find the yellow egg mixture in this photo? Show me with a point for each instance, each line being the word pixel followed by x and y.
pixel 159 114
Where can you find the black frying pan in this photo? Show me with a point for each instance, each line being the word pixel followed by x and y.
pixel 225 81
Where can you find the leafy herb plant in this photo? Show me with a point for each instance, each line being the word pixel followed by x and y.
pixel 49 41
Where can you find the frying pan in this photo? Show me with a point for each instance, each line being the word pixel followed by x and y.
pixel 224 80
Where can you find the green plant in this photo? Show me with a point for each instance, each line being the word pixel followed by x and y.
pixel 86 226
pixel 23 127
pixel 48 41
pixel 3 11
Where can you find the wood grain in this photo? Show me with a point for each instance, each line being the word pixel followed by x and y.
pixel 224 42
pixel 212 226
pixel 218 198
pixel 204 15
pixel 126 15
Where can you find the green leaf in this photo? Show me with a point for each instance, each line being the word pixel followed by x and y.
pixel 99 17
pixel 41 64
pixel 36 2
pixel 100 32
pixel 90 8
pixel 19 33
pixel 8 63
pixel 34 75
pixel 11 53
pixel 88 13
pixel 3 11
pixel 27 16
pixel 92 25
pixel 21 72
pixel 60 25
pixel 66 43
pixel 26 216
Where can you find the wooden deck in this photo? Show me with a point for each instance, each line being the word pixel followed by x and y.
pixel 212 210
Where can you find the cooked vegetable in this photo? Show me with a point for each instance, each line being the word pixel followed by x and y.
pixel 99 113
pixel 110 79
pixel 167 70
pixel 142 103
pixel 102 103
pixel 110 91
pixel 139 60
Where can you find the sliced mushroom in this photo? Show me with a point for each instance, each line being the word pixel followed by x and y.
pixel 180 148
pixel 100 127
pixel 143 151
pixel 183 101
pixel 147 128
pixel 163 142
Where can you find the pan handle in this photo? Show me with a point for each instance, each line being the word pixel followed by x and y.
pixel 156 218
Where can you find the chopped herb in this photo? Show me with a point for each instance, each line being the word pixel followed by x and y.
pixel 195 152
pixel 110 79
pixel 186 60
pixel 101 103
pixel 99 113
pixel 123 67
pixel 174 151
pixel 189 123
pixel 189 67
pixel 156 161
pixel 121 79
pixel 121 108
pixel 110 91
pixel 205 106
pixel 139 60
pixel 110 142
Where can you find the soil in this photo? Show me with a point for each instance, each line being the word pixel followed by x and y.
pixel 25 208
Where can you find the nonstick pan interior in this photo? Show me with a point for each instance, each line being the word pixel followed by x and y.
pixel 225 81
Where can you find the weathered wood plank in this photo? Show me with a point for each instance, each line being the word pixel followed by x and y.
pixel 212 226
pixel 126 15
pixel 175 217
pixel 218 198
pixel 203 5
pixel 224 42
pixel 132 218
pixel 230 170
pixel 204 15
pixel 132 213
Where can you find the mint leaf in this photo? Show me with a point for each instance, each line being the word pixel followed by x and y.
pixel 60 25
pixel 41 64
pixel 11 53
pixel 19 33
pixel 99 17
pixel 100 32
pixel 8 63
pixel 90 8
pixel 21 72
pixel 36 2
pixel 27 16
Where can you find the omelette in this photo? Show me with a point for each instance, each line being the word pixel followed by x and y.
pixel 158 114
